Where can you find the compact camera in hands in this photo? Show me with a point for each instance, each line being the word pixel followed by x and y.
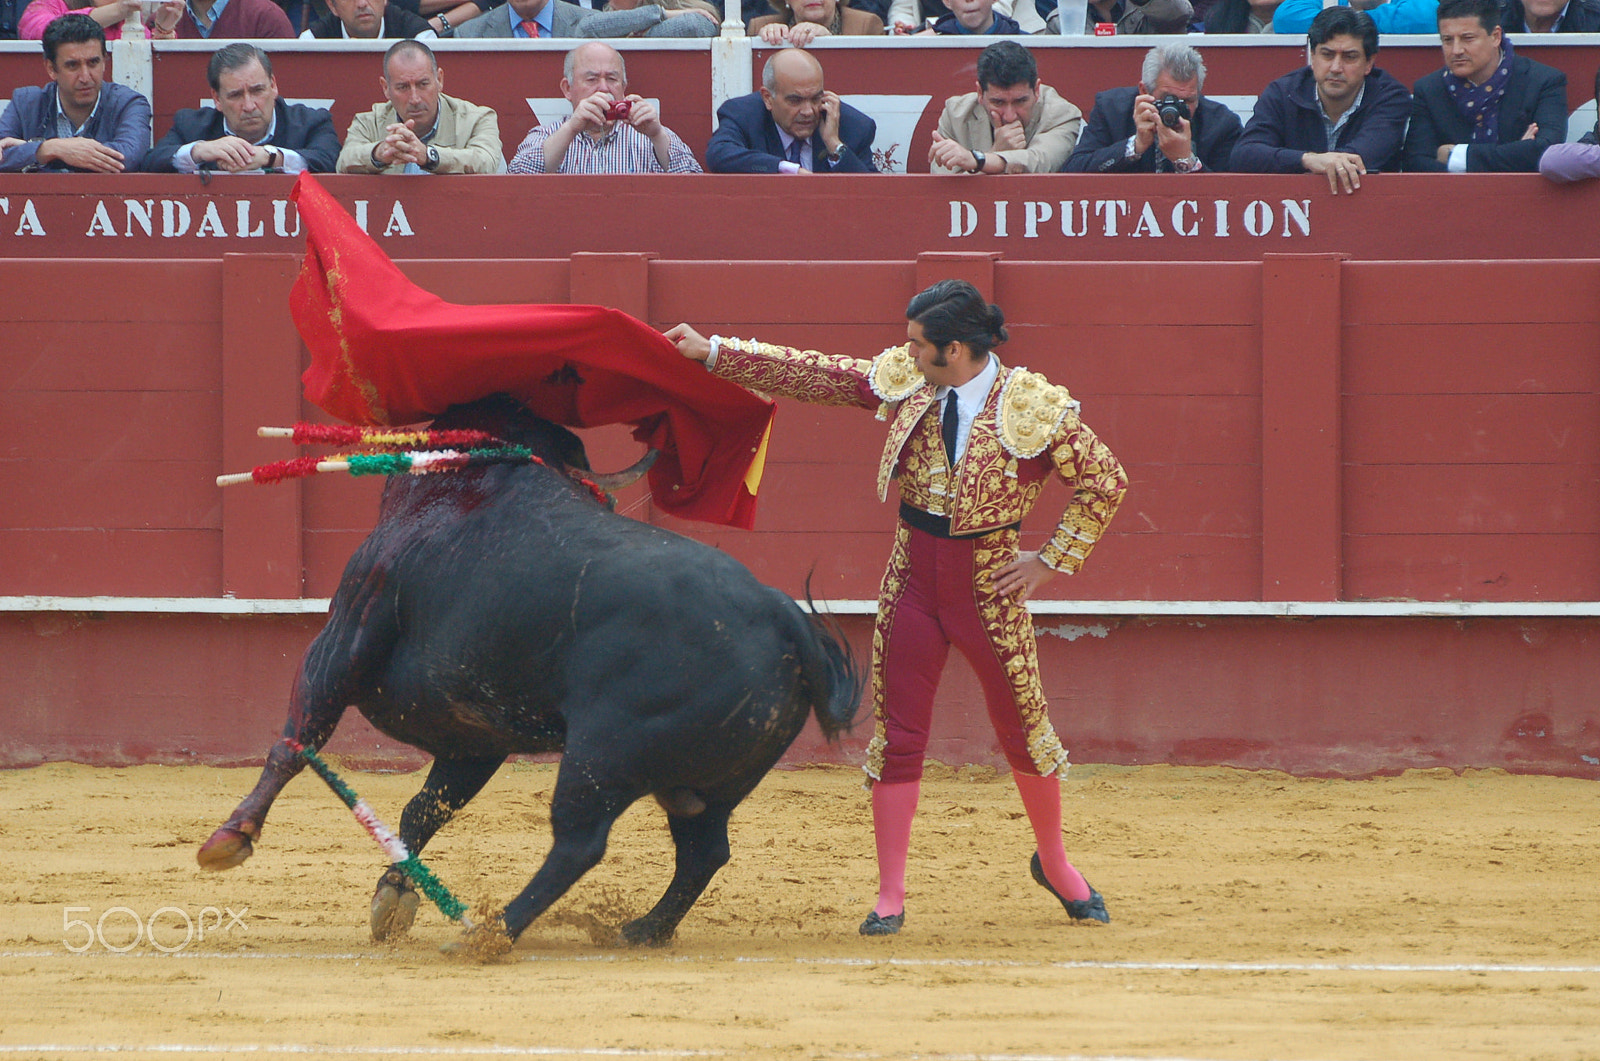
pixel 1173 111
pixel 619 110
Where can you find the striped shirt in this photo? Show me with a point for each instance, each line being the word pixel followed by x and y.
pixel 622 150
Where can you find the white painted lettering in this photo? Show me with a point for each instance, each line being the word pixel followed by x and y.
pixel 280 219
pixel 1000 219
pixel 963 219
pixel 100 224
pixel 1033 213
pixel 5 205
pixel 1258 218
pixel 1298 211
pixel 28 224
pixel 244 229
pixel 361 214
pixel 1221 217
pixel 1148 225
pixel 141 214
pixel 1066 217
pixel 398 224
pixel 1192 228
pixel 211 222
pixel 1111 210
pixel 174 218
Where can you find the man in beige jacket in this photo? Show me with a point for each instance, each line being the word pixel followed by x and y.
pixel 420 129
pixel 1012 124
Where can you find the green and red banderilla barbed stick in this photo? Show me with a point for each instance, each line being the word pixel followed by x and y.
pixel 403 860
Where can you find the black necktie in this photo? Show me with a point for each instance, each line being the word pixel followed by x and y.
pixel 952 420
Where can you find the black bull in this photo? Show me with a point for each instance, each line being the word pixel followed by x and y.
pixel 504 610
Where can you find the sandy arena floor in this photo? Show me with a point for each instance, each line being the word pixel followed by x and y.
pixel 1255 916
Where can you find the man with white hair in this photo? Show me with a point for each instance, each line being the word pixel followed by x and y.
pixel 609 130
pixel 1164 125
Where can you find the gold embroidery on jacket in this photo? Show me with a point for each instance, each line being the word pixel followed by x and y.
pixel 1032 411
pixel 805 375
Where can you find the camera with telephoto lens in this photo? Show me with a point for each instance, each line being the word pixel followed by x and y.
pixel 1173 111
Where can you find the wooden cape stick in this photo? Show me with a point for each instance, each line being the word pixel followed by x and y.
pixel 403 859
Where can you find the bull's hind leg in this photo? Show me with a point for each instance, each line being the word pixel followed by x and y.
pixel 582 810
pixel 702 843
pixel 450 786
pixel 312 718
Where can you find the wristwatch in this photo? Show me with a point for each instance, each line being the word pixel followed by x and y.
pixel 431 163
pixel 1187 165
pixel 836 155
pixel 445 29
pixel 978 159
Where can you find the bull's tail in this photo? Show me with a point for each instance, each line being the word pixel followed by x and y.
pixel 830 670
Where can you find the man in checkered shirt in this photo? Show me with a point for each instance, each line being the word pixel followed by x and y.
pixel 594 78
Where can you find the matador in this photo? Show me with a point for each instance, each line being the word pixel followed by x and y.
pixel 971 445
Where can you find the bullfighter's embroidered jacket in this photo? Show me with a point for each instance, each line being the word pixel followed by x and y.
pixel 1027 430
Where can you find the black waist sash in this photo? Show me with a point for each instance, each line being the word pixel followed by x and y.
pixel 939 526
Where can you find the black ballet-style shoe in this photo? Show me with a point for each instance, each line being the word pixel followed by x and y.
pixel 878 925
pixel 1090 909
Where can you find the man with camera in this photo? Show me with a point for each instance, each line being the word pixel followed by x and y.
pixel 1339 116
pixel 609 131
pixel 1165 125
pixel 1012 124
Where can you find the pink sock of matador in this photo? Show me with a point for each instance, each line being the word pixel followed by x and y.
pixel 1041 798
pixel 893 807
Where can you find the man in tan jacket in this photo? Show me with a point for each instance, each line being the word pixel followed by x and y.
pixel 1012 124
pixel 420 129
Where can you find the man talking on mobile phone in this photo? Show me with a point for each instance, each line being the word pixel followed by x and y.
pixel 793 125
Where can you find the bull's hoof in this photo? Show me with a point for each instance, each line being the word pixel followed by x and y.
pixel 394 907
pixel 226 849
pixel 645 933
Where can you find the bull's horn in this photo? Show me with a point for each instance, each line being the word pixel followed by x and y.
pixel 611 482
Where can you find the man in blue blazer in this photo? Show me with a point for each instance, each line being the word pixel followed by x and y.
pixel 791 126
pixel 78 122
pixel 1517 107
pixel 250 130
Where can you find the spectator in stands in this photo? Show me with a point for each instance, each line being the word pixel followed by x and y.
pixel 80 121
pixel 597 139
pixel 109 13
pixel 10 12
pixel 1128 132
pixel 250 129
pixel 1564 163
pixel 533 19
pixel 1339 116
pixel 1487 110
pixel 974 18
pixel 799 22
pixel 671 25
pixel 233 19
pixel 1012 124
pixel 907 17
pixel 1543 16
pixel 420 129
pixel 1242 16
pixel 793 125
pixel 1390 16
pixel 1128 16
pixel 368 20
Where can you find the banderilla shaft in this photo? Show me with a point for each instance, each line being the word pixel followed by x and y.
pixel 392 845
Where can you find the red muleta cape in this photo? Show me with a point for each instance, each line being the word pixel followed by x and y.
pixel 385 352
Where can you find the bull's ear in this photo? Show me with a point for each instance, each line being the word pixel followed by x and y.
pixel 611 482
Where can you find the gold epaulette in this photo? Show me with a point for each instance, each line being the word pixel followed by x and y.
pixel 894 374
pixel 1032 410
